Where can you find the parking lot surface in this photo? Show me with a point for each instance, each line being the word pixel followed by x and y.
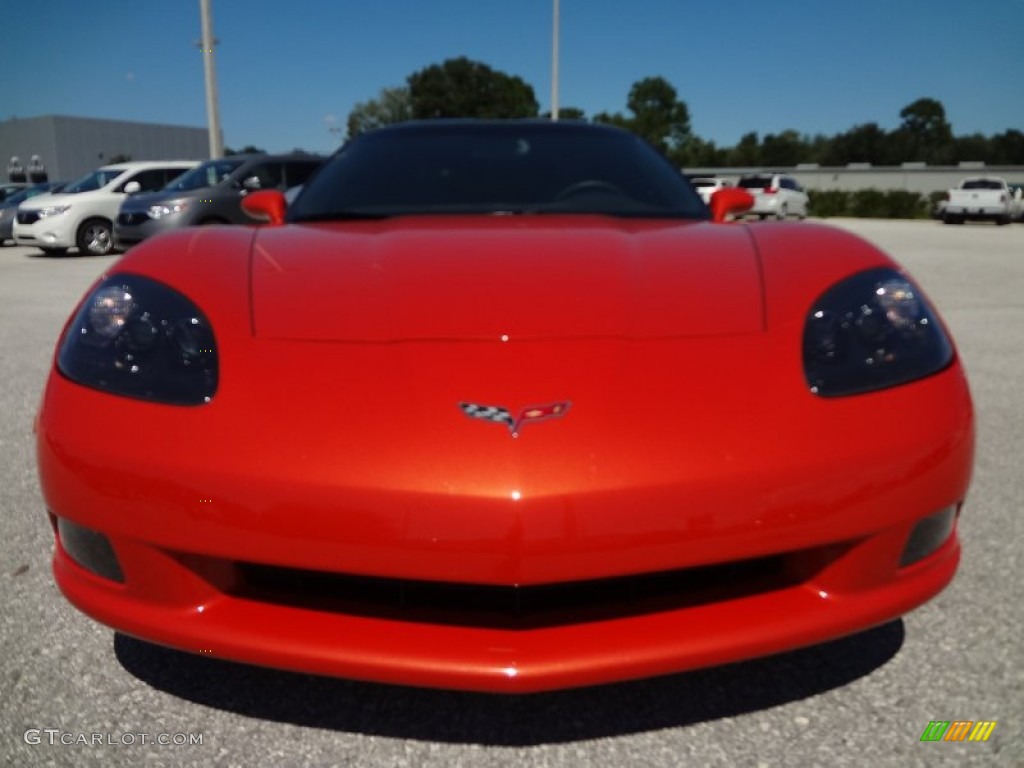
pixel 74 693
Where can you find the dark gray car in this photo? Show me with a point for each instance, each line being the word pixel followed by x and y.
pixel 9 205
pixel 211 193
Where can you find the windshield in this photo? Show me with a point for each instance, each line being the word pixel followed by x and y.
pixel 982 184
pixel 209 174
pixel 497 167
pixel 95 180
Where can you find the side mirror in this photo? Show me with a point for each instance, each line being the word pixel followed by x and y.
pixel 132 188
pixel 728 200
pixel 268 205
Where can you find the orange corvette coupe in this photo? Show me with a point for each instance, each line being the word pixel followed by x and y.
pixel 503 406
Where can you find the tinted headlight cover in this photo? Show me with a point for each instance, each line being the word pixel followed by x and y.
pixel 139 338
pixel 871 331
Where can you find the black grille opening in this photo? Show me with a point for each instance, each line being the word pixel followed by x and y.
pixel 27 217
pixel 510 607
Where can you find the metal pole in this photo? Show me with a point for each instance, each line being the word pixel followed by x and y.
pixel 212 111
pixel 554 65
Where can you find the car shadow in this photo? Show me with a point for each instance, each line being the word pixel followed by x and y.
pixel 71 253
pixel 501 720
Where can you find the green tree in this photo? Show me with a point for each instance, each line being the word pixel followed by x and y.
pixel 1007 148
pixel 699 153
pixel 392 105
pixel 784 149
pixel 248 149
pixel 464 88
pixel 866 143
pixel 658 116
pixel 617 119
pixel 568 113
pixel 747 153
pixel 925 134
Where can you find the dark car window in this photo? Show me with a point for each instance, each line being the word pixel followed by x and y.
pixel 92 181
pixel 755 182
pixel 982 184
pixel 298 171
pixel 440 167
pixel 150 180
pixel 269 175
pixel 208 174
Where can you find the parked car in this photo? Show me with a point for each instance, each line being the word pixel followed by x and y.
pixel 9 206
pixel 211 193
pixel 83 214
pixel 403 433
pixel 982 198
pixel 9 188
pixel 775 194
pixel 706 186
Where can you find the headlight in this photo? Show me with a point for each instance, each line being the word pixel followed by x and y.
pixel 167 209
pixel 872 331
pixel 53 210
pixel 136 337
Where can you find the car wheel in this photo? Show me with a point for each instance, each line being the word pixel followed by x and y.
pixel 1003 221
pixel 95 237
pixel 782 213
pixel 947 219
pixel 762 216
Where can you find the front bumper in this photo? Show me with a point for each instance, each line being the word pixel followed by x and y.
pixel 279 530
pixel 50 232
pixel 142 227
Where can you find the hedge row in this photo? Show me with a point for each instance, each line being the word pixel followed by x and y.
pixel 871 203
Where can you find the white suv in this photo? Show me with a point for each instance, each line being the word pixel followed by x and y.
pixel 83 213
pixel 706 186
pixel 775 194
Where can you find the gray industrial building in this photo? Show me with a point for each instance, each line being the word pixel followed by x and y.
pixel 70 147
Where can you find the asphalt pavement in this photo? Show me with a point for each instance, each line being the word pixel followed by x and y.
pixel 75 693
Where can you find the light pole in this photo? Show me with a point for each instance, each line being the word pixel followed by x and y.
pixel 554 64
pixel 212 110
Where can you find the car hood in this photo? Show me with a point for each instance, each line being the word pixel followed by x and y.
pixel 47 200
pixel 473 278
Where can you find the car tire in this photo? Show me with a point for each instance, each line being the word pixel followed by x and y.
pixel 1002 221
pixel 95 237
pixel 947 219
pixel 783 212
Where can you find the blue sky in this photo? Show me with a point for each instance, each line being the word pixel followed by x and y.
pixel 817 66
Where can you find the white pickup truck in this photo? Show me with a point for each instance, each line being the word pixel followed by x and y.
pixel 982 198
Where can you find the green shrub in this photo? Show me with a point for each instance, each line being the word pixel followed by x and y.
pixel 828 202
pixel 869 203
